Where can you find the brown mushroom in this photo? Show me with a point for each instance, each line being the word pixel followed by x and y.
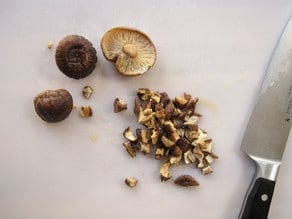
pixel 75 56
pixel 53 105
pixel 131 50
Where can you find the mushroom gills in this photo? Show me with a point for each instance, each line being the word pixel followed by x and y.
pixel 131 50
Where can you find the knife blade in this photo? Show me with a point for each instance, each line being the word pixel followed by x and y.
pixel 268 129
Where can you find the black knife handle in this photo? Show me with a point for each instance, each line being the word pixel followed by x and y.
pixel 259 199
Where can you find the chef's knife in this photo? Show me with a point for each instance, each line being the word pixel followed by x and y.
pixel 268 128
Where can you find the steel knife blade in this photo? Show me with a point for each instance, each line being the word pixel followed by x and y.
pixel 268 129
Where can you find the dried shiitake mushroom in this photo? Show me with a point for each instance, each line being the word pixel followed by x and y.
pixel 131 50
pixel 75 56
pixel 53 105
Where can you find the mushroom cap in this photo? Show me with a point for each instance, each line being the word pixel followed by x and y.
pixel 132 50
pixel 75 56
pixel 53 105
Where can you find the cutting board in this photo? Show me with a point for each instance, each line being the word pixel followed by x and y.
pixel 217 51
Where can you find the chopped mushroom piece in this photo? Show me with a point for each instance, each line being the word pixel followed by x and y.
pixel 130 149
pixel 129 135
pixel 131 50
pixel 189 157
pixel 186 180
pixel 206 145
pixel 154 136
pixel 119 105
pixel 159 153
pixel 131 182
pixel 144 93
pixel 143 135
pixel 170 131
pixel 209 159
pixel 87 92
pixel 207 170
pixel 145 116
pixel 181 102
pixel 167 142
pixel 200 157
pixel 145 148
pixel 191 120
pixel 85 111
pixel 164 172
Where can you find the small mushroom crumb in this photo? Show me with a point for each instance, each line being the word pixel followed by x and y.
pixel 53 105
pixel 186 181
pixel 171 131
pixel 50 45
pixel 131 182
pixel 87 92
pixel 119 105
pixel 131 50
pixel 85 111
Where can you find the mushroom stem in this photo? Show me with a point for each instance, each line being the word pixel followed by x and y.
pixel 131 50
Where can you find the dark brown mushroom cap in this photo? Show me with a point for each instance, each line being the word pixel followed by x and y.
pixel 53 105
pixel 131 50
pixel 75 56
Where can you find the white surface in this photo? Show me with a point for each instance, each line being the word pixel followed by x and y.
pixel 216 50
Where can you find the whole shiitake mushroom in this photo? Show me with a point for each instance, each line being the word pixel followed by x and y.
pixel 131 50
pixel 75 56
pixel 53 105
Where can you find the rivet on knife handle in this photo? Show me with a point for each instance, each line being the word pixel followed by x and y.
pixel 259 199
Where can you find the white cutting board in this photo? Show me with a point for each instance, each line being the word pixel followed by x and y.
pixel 216 50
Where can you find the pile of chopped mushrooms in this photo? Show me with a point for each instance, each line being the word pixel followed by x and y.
pixel 171 133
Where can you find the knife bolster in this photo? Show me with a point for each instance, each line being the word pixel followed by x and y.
pixel 265 168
